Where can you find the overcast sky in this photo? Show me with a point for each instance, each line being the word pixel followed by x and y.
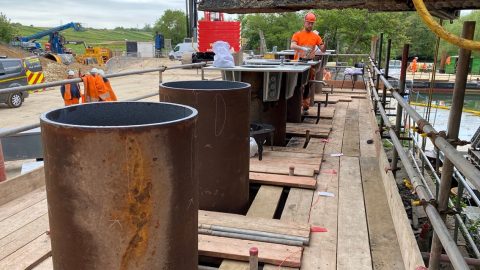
pixel 91 13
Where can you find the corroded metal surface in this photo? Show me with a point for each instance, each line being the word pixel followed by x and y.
pixel 120 185
pixel 222 138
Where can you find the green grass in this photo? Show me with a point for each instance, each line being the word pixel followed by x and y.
pixel 112 39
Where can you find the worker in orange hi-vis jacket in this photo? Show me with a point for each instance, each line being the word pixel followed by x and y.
pixel 95 89
pixel 108 86
pixel 70 92
pixel 304 43
pixel 414 65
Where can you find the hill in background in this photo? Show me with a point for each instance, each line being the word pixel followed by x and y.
pixel 113 39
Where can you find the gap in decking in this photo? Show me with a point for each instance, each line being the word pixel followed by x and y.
pixel 281 203
pixel 209 261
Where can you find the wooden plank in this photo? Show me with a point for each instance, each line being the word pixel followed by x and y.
pixel 21 185
pixel 411 255
pixel 254 223
pixel 384 246
pixel 322 251
pixel 325 112
pixel 47 264
pixel 302 158
pixel 315 131
pixel 22 218
pixel 296 142
pixel 19 204
pixel 283 180
pixel 366 133
pixel 297 206
pixel 265 202
pixel 264 205
pixel 353 242
pixel 29 255
pixel 23 236
pixel 332 99
pixel 284 168
pixel 293 150
pixel 237 249
pixel 267 153
pixel 351 145
pixel 316 145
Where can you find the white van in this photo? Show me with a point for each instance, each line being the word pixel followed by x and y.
pixel 181 48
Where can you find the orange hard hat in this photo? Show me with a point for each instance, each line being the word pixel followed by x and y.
pixel 310 17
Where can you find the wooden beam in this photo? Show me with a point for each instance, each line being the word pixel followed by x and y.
pixel 353 242
pixel 283 180
pixel 21 185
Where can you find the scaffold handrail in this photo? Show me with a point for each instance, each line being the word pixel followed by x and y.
pixel 438 225
pixel 12 131
pixel 467 169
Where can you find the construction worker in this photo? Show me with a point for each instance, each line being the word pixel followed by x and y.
pixel 414 65
pixel 305 44
pixel 95 89
pixel 113 97
pixel 70 92
pixel 327 75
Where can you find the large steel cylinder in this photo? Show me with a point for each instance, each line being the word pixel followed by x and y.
pixel 120 185
pixel 222 137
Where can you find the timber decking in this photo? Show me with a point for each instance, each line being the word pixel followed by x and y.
pixel 360 227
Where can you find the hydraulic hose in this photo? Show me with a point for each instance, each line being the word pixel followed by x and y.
pixel 441 32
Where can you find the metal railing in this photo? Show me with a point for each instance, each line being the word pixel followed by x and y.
pixel 427 200
pixel 438 139
pixel 77 80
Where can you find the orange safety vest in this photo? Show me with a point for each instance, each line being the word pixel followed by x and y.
pixel 67 98
pixel 414 65
pixel 113 97
pixel 95 89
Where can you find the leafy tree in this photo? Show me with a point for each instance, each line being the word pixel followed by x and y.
pixel 172 25
pixel 6 29
pixel 456 28
pixel 422 40
pixel 277 29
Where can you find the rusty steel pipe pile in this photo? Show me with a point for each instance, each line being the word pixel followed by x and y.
pixel 120 186
pixel 222 138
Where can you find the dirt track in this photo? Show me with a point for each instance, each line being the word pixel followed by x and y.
pixel 125 88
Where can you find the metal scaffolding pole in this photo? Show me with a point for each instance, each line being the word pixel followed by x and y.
pixel 439 226
pixel 454 120
pixel 398 120
pixel 379 63
pixel 384 93
pixel 466 168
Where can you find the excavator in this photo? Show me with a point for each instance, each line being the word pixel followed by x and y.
pixel 92 55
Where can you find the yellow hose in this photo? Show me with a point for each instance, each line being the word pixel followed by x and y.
pixel 441 32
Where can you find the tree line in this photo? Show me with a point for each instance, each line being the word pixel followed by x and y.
pixel 346 30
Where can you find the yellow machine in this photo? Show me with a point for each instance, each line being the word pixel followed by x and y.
pixel 94 55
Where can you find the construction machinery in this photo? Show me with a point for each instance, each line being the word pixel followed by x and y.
pixel 92 55
pixel 55 41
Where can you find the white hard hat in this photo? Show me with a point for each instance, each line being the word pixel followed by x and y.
pixel 101 72
pixel 94 71
pixel 71 73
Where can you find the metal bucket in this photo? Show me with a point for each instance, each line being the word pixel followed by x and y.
pixel 222 138
pixel 120 184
